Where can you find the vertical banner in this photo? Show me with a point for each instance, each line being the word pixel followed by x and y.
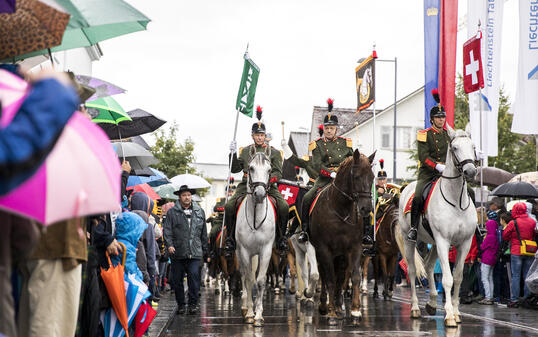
pixel 473 75
pixel 490 14
pixel 365 80
pixel 447 56
pixel 247 88
pixel 431 55
pixel 525 106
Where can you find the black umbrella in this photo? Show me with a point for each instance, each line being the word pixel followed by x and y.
pixel 516 189
pixel 142 122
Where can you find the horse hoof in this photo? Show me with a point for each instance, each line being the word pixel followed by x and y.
pixel 323 311
pixel 244 312
pixel 259 322
pixel 430 310
pixel 332 321
pixel 309 304
pixel 416 313
pixel 217 292
pixel 451 323
pixel 458 318
pixel 277 291
pixel 249 320
pixel 340 315
pixel 292 291
pixel 375 294
pixel 356 314
pixel 364 291
pixel 356 321
pixel 308 294
pixel 226 293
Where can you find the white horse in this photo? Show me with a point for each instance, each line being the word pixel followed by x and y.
pixel 452 218
pixel 255 233
pixel 366 82
pixel 305 255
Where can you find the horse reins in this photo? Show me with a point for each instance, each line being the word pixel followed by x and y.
pixel 459 166
pixel 252 185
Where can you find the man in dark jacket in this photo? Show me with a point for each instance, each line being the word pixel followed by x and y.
pixel 185 237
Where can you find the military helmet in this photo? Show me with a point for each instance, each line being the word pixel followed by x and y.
pixel 258 127
pixel 437 110
pixel 330 119
pixel 219 206
pixel 382 173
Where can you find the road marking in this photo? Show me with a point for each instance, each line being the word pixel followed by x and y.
pixel 486 319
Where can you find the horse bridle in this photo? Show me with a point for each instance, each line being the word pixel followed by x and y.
pixel 252 185
pixel 459 166
pixel 355 195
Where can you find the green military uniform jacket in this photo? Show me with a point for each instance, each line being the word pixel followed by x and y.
pixel 327 155
pixel 307 165
pixel 240 163
pixel 432 147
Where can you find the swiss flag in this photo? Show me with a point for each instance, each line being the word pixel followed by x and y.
pixel 473 76
pixel 289 192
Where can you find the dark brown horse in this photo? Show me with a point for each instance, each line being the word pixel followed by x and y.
pixel 337 230
pixel 230 269
pixel 386 245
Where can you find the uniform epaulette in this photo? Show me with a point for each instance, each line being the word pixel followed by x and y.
pixel 306 157
pixel 349 142
pixel 282 154
pixel 240 150
pixel 422 135
pixel 312 145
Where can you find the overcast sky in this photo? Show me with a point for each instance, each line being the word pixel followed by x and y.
pixel 187 65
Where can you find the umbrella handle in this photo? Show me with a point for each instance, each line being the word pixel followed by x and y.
pixel 124 255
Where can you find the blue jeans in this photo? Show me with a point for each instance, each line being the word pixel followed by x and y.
pixel 191 267
pixel 520 265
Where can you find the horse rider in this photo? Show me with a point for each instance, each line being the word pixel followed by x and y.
pixel 241 163
pixel 381 181
pixel 432 147
pixel 327 154
pixel 215 220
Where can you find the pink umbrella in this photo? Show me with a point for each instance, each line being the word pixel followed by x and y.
pixel 81 176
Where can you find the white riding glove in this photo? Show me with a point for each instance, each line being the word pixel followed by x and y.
pixel 333 175
pixel 440 168
pixel 286 149
pixel 233 147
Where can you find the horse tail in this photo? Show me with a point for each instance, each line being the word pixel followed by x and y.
pixel 419 261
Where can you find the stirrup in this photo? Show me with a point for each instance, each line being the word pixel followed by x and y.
pixel 367 240
pixel 412 235
pixel 302 237
pixel 370 251
pixel 283 244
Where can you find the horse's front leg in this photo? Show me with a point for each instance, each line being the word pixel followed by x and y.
pixel 442 252
pixel 463 250
pixel 312 272
pixel 411 273
pixel 365 264
pixel 355 262
pixel 247 281
pixel 293 271
pixel 431 306
pixel 263 259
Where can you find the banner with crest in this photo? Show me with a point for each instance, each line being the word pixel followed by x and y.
pixel 365 80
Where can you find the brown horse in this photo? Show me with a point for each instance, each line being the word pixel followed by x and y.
pixel 337 230
pixel 387 250
pixel 230 269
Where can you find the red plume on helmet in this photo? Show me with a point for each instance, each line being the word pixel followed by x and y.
pixel 259 112
pixel 381 163
pixel 330 102
pixel 320 130
pixel 435 94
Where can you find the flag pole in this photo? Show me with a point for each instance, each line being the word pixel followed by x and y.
pixel 374 201
pixel 481 150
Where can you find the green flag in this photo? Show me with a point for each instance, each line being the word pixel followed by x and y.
pixel 247 88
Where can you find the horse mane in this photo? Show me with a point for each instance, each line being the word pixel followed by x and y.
pixel 349 160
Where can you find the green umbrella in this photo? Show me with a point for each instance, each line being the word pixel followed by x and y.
pixel 94 21
pixel 166 191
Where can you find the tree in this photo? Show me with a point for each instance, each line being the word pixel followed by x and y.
pixel 516 152
pixel 174 157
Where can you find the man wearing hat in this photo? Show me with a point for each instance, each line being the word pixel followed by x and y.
pixel 432 145
pixel 240 163
pixel 216 224
pixel 185 238
pixel 327 154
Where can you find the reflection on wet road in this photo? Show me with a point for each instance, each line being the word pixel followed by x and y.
pixel 285 316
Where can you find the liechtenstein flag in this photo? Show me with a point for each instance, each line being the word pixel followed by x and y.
pixel 440 33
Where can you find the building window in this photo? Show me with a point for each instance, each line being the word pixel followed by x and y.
pixel 404 137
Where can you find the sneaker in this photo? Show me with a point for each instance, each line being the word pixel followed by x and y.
pixel 193 310
pixel 485 301
pixel 513 304
pixel 180 310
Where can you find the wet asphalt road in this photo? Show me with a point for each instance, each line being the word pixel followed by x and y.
pixel 285 316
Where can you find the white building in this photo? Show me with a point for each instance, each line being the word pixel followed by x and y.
pixel 409 119
pixel 217 174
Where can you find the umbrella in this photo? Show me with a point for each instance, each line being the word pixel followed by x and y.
pixel 144 317
pixel 92 22
pixel 190 180
pixel 529 177
pixel 113 278
pixel 102 88
pixel 166 191
pixel 142 122
pixel 33 26
pixel 158 178
pixel 519 189
pixel 81 176
pixel 138 157
pixel 7 6
pixel 145 188
pixel 493 176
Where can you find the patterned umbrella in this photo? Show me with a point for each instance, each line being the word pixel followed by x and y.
pixel 102 88
pixel 33 26
pixel 7 6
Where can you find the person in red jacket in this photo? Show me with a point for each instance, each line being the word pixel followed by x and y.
pixel 466 296
pixel 520 264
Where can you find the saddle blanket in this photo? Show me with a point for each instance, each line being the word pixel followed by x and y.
pixel 431 186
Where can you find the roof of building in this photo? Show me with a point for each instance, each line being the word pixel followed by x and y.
pixel 214 171
pixel 299 142
pixel 347 118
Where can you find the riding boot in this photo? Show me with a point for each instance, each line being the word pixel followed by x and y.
pixel 367 238
pixel 282 241
pixel 303 235
pixel 293 227
pixel 229 247
pixel 415 218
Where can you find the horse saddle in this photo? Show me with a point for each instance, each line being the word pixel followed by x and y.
pixel 426 195
pixel 239 201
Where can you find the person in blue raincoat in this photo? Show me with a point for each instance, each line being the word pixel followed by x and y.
pixel 129 229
